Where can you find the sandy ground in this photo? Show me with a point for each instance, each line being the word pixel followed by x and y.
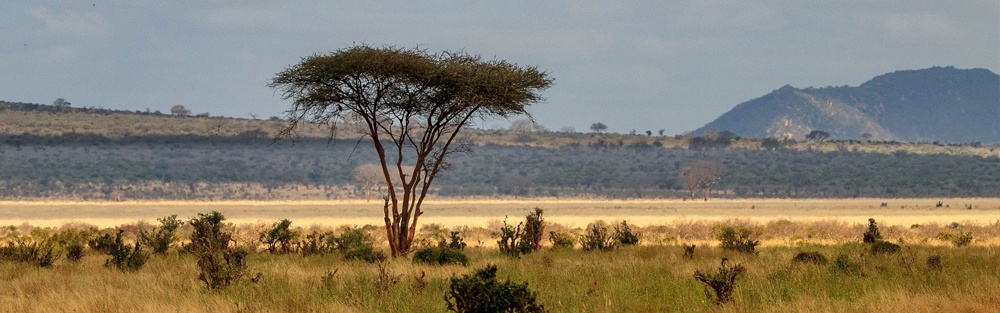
pixel 569 212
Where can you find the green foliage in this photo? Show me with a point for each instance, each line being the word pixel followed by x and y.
pixel 884 247
pixel 316 243
pixel 872 235
pixel 963 239
pixel 74 252
pixel 41 253
pixel 279 238
pixel 102 243
pixel 219 263
pixel 456 242
pixel 737 239
pixel 161 237
pixel 440 255
pixel 124 257
pixel 512 241
pixel 356 244
pixel 481 292
pixel 534 228
pixel 721 282
pixel 844 264
pixel 625 236
pixel 562 240
pixel 597 236
pixel 813 257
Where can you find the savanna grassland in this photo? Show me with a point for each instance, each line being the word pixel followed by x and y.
pixel 933 270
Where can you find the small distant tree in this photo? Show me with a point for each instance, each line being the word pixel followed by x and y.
pixel 867 136
pixel 661 132
pixel 60 103
pixel 179 110
pixel 598 127
pixel 702 175
pixel 818 135
pixel 649 133
pixel 368 177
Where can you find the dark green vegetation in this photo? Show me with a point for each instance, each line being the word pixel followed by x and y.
pixel 172 162
pixel 936 104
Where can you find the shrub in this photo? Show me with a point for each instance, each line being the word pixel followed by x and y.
pixel 456 242
pixel 41 254
pixel 356 244
pixel 737 239
pixel 74 252
pixel 315 243
pixel 102 243
pixel 220 264
pixel 934 262
pixel 810 257
pixel 480 292
pixel 126 258
pixel 440 256
pixel 279 235
pixel 721 282
pixel 161 237
pixel 534 228
pixel 597 236
pixel 562 240
pixel 884 247
pixel 872 235
pixel 689 251
pixel 963 239
pixel 844 264
pixel 512 241
pixel 624 235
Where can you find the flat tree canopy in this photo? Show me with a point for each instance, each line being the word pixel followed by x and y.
pixel 413 104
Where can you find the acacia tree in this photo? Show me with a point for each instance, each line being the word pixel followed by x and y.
pixel 412 105
pixel 702 175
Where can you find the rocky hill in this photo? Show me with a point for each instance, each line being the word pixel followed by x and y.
pixel 939 104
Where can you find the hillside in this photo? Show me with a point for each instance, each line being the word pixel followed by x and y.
pixel 939 104
pixel 49 152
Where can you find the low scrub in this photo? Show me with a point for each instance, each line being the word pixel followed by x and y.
pixel 356 244
pixel 125 257
pixel 481 292
pixel 598 237
pixel 562 240
pixel 161 237
pixel 624 235
pixel 721 282
pixel 737 239
pixel 884 247
pixel 810 257
pixel 440 256
pixel 220 263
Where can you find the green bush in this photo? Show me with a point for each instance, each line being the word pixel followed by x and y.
pixel 512 241
pixel 279 238
pixel 161 237
pixel 844 264
pixel 720 282
pixel 884 247
pixel 872 235
pixel 963 239
pixel 74 252
pixel 356 244
pixel 737 239
pixel 440 256
pixel 562 240
pixel 124 257
pixel 38 253
pixel 219 263
pixel 625 236
pixel 102 243
pixel 456 242
pixel 597 236
pixel 316 243
pixel 480 292
pixel 810 257
pixel 534 228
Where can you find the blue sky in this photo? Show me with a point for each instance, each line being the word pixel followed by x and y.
pixel 644 65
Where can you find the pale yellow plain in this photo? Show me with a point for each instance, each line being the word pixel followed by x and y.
pixel 482 212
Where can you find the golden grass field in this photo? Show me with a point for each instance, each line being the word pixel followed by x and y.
pixel 484 212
